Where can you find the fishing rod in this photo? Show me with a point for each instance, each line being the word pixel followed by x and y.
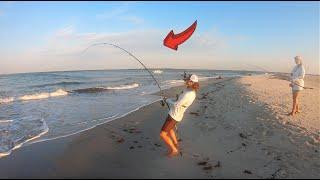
pixel 130 54
pixel 266 71
pixel 263 69
pixel 302 86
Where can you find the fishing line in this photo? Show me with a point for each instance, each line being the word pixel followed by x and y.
pixel 130 54
pixel 266 71
pixel 263 69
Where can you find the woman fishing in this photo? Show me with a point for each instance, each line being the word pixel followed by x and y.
pixel 176 112
pixel 297 83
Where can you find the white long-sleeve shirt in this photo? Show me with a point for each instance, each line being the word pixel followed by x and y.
pixel 297 75
pixel 177 108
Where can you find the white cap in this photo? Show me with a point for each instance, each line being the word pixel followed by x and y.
pixel 194 78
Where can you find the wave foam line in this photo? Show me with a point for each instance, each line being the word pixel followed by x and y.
pixel 6 100
pixel 103 89
pixel 57 93
pixel 46 130
pixel 5 121
pixel 108 119
pixel 127 86
pixel 37 96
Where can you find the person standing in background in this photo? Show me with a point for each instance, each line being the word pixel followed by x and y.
pixel 297 84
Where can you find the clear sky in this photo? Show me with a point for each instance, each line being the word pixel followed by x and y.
pixel 49 36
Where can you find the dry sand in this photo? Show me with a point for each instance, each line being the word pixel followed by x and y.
pixel 233 130
pixel 274 90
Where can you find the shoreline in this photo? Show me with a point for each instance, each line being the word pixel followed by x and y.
pixel 34 140
pixel 227 130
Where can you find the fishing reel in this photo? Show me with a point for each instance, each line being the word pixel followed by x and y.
pixel 163 101
pixel 186 76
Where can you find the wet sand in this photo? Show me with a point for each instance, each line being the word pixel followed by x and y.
pixel 229 132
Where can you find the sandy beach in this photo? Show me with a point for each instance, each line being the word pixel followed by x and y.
pixel 236 128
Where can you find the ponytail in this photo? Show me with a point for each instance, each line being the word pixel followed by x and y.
pixel 195 86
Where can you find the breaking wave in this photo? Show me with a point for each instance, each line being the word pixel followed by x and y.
pixel 102 89
pixel 36 96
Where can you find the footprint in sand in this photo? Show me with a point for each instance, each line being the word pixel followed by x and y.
pixel 120 141
pixel 202 163
pixel 247 172
pixel 207 166
pixel 242 135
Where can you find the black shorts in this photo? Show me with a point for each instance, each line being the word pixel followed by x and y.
pixel 169 124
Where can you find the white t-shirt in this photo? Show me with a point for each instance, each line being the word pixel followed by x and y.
pixel 177 108
pixel 297 76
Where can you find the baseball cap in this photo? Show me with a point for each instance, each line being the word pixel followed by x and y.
pixel 194 78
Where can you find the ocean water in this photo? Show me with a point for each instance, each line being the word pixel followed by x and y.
pixel 38 107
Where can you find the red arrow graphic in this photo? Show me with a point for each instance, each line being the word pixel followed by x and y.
pixel 172 41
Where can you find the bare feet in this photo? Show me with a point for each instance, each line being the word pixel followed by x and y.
pixel 291 114
pixel 173 153
pixel 298 112
pixel 176 145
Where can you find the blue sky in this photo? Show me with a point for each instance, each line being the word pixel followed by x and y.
pixel 229 34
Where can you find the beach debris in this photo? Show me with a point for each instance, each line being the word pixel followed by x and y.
pixel 135 142
pixel 243 136
pixel 202 163
pixel 132 130
pixel 204 96
pixel 243 145
pixel 121 140
pixel 158 145
pixel 209 167
pixel 196 155
pixel 273 176
pixel 131 147
pixel 195 113
pixel 217 165
pixel 247 172
pixel 278 158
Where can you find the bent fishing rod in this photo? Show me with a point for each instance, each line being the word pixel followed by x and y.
pixel 145 67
